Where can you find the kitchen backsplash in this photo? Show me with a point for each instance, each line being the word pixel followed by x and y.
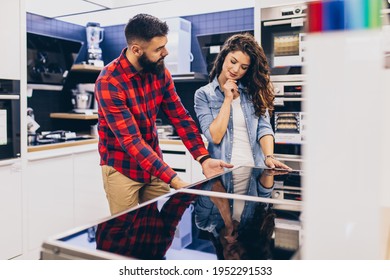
pixel 114 41
pixel 221 22
pixel 53 27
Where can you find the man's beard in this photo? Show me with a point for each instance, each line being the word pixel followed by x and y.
pixel 150 66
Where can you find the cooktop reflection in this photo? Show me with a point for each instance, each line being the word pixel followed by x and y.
pixel 233 216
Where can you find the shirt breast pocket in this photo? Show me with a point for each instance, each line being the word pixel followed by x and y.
pixel 215 107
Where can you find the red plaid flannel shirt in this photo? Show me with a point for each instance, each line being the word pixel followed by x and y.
pixel 128 105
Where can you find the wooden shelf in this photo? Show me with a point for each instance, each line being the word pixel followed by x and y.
pixel 73 116
pixel 85 68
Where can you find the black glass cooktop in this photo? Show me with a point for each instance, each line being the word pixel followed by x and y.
pixel 245 213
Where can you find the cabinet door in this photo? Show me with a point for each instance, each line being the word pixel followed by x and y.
pixel 11 211
pixel 90 198
pixel 10 47
pixel 179 159
pixel 196 171
pixel 49 187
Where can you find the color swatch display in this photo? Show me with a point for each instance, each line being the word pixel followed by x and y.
pixel 332 15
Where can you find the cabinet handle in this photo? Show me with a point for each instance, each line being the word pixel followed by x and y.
pixel 179 170
pixel 9 97
pixel 173 152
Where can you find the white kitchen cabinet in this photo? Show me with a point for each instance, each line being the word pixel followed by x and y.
pixel 196 171
pixel 10 48
pixel 11 209
pixel 90 201
pixel 180 160
pixel 49 187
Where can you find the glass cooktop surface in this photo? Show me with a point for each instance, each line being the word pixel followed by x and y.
pixel 245 213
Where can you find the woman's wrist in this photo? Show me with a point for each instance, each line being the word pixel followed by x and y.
pixel 269 156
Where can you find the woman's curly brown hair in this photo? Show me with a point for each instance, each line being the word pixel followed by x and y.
pixel 257 78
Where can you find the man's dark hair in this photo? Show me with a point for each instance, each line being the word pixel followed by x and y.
pixel 144 27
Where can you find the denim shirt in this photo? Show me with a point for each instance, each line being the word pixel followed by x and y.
pixel 208 216
pixel 208 102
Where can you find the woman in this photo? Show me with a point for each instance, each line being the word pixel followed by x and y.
pixel 234 108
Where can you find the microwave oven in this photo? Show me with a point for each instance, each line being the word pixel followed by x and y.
pixel 283 38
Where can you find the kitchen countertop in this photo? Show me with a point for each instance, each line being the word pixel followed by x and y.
pixel 86 142
pixel 61 145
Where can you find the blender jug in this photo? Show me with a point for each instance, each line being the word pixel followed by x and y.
pixel 95 36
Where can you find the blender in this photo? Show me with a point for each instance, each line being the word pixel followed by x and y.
pixel 95 36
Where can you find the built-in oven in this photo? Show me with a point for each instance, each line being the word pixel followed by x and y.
pixel 9 119
pixel 283 38
pixel 289 122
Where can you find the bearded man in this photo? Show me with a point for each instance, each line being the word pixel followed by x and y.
pixel 130 91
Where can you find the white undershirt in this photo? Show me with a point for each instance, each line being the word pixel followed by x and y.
pixel 240 183
pixel 241 152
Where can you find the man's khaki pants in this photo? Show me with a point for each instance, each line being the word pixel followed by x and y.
pixel 123 193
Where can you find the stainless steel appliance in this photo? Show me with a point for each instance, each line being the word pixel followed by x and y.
pixel 95 35
pixel 57 136
pixel 289 121
pixel 289 127
pixel 283 38
pixel 9 119
pixel 83 99
pixel 49 59
pixel 211 45
pixel 179 46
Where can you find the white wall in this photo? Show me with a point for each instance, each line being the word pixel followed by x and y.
pixel 344 151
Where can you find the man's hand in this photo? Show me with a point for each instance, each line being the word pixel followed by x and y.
pixel 212 167
pixel 178 183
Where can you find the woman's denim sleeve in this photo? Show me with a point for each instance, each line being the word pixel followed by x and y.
pixel 203 112
pixel 264 127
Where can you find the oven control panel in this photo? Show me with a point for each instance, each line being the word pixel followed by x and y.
pixel 288 88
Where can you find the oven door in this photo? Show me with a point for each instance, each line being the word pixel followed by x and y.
pixel 9 126
pixel 288 122
pixel 283 41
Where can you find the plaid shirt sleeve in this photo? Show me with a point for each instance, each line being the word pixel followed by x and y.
pixel 181 119
pixel 121 122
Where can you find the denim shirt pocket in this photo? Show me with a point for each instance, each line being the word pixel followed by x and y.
pixel 215 107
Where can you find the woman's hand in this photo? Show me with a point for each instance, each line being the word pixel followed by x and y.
pixel 267 177
pixel 229 232
pixel 274 163
pixel 230 89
